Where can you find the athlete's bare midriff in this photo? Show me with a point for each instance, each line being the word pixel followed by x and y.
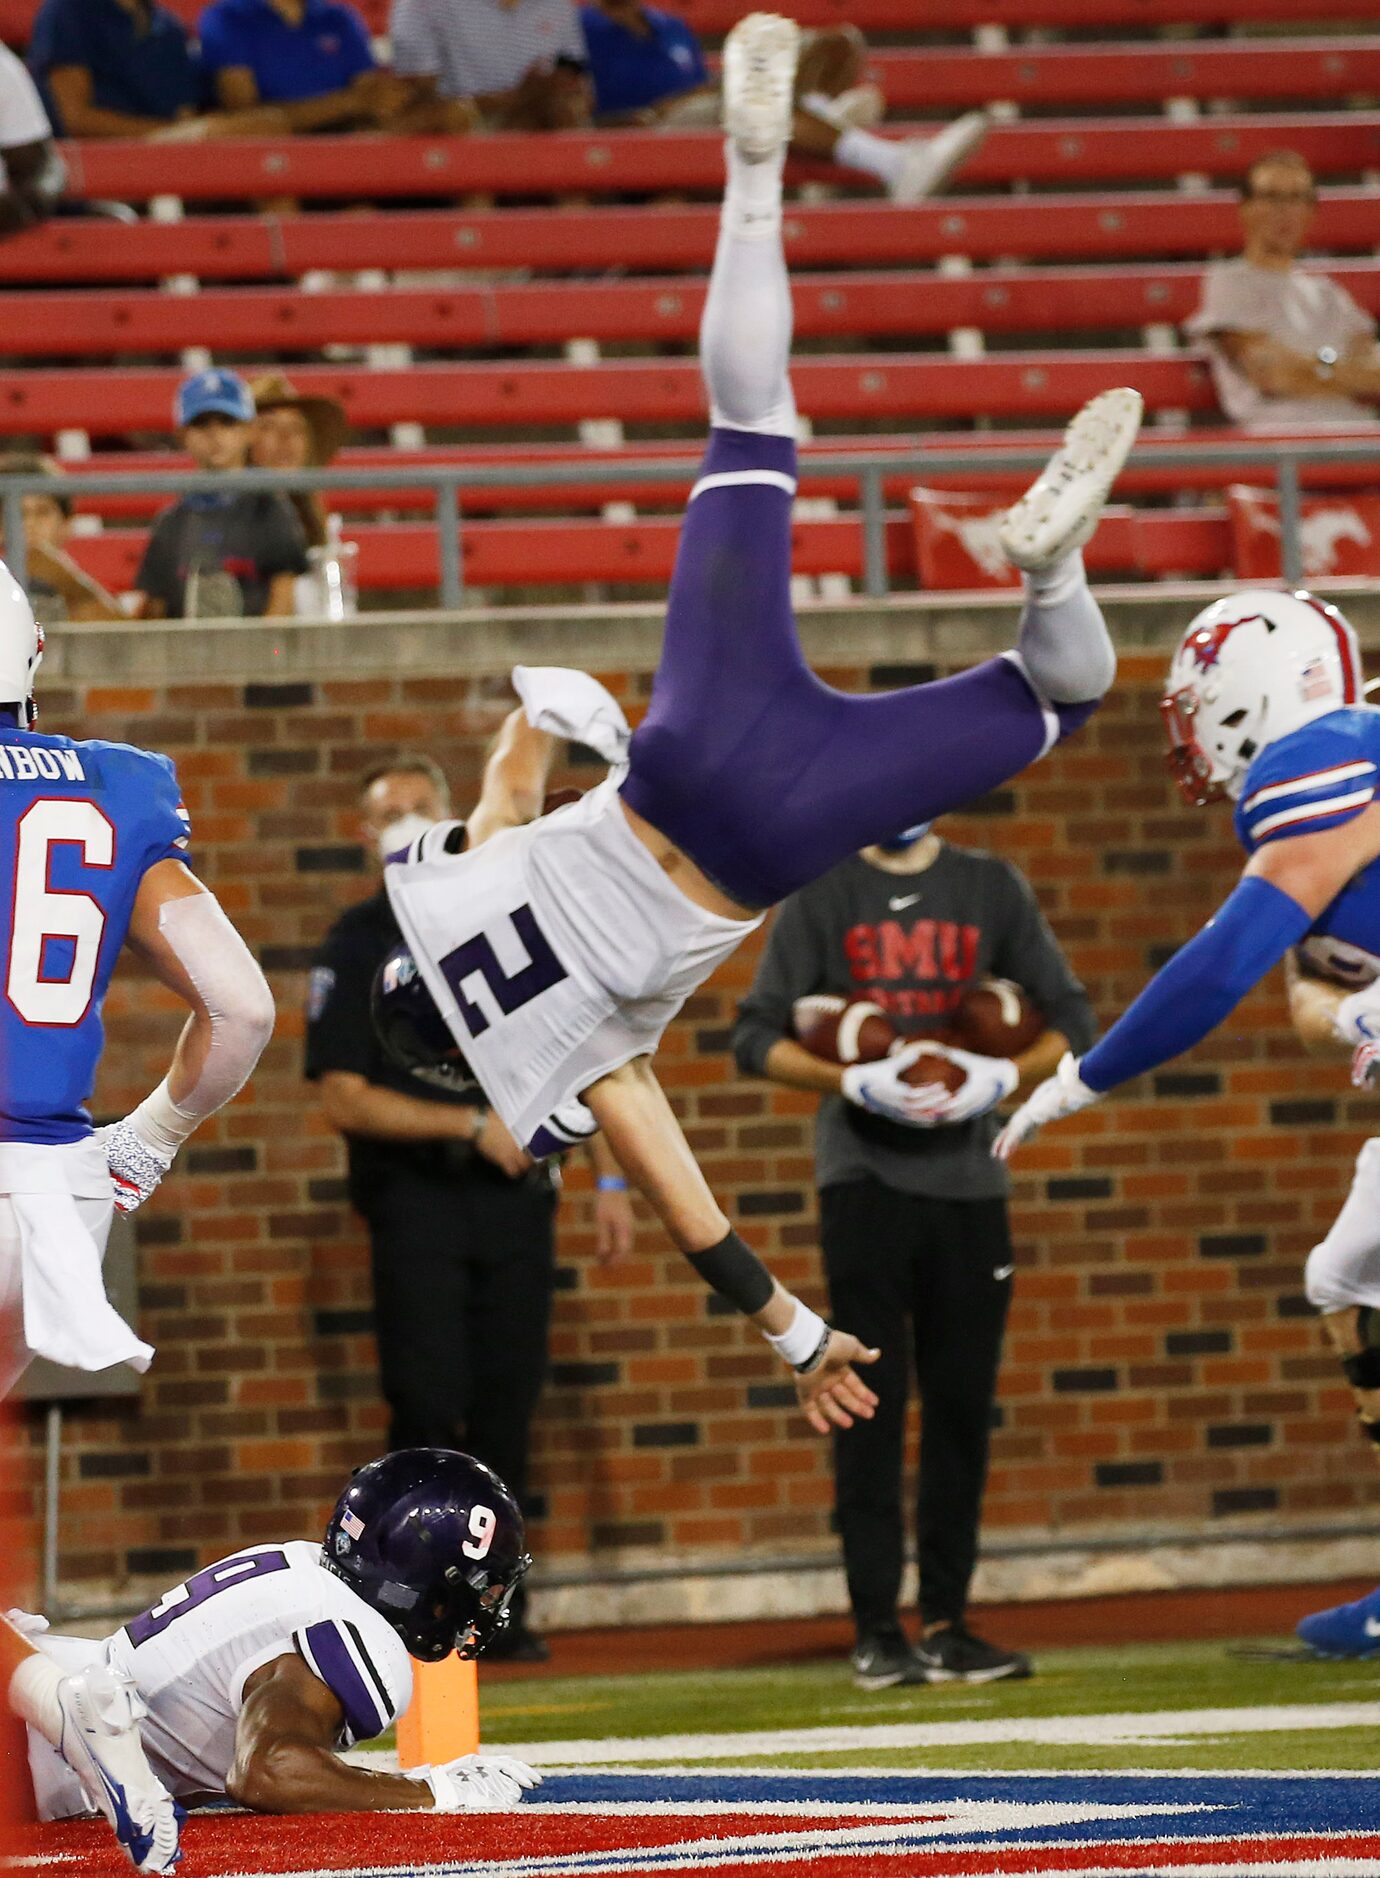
pixel 676 864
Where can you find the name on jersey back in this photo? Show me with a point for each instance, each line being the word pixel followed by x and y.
pixel 37 763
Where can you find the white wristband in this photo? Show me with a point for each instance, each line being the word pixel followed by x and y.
pixel 800 1339
pixel 160 1124
pixel 443 1794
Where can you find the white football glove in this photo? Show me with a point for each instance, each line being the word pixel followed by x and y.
pixel 1357 1018
pixel 878 1088
pixel 479 1783
pixel 1064 1093
pixel 27 1623
pixel 135 1169
pixel 990 1079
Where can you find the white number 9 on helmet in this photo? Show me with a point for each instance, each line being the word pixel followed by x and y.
pixel 483 1525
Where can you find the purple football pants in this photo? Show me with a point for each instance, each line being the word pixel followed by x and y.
pixel 765 776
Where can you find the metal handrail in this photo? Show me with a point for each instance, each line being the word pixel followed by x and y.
pixel 869 467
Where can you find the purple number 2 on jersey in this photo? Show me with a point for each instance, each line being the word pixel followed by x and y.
pixel 201 1586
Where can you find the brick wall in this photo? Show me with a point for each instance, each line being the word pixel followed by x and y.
pixel 1162 1364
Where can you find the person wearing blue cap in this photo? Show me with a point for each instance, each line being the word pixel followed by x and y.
pixel 221 553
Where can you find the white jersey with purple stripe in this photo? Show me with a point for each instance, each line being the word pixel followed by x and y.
pixel 193 1652
pixel 1318 778
pixel 556 952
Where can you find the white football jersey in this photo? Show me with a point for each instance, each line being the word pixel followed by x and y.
pixel 556 952
pixel 192 1653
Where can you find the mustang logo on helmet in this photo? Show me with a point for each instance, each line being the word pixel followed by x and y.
pixel 1251 668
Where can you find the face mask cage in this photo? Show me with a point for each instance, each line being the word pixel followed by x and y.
pixel 1189 763
pixel 490 1612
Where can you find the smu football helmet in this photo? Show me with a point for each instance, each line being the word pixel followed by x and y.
pixel 21 649
pixel 411 1029
pixel 434 1542
pixel 1251 668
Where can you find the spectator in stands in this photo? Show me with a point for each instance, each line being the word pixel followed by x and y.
pixel 647 67
pixel 293 432
pixel 1291 350
pixel 222 553
pixel 128 68
pixel 32 174
pixel 312 58
pixel 521 64
pixel 57 587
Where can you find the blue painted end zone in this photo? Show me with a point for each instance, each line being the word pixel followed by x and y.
pixel 1242 1805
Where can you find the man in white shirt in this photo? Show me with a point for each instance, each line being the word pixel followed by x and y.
pixel 1290 349
pixel 520 63
pixel 32 174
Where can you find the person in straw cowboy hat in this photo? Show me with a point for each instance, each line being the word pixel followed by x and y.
pixel 292 431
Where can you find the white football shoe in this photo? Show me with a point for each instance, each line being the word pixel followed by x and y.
pixel 927 163
pixel 101 1712
pixel 1062 507
pixel 759 84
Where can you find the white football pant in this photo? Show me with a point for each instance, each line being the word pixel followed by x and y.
pixel 1344 1270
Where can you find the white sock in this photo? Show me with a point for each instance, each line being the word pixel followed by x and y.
pixel 34 1695
pixel 745 335
pixel 875 156
pixel 1064 640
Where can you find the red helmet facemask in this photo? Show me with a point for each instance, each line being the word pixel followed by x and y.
pixel 1189 763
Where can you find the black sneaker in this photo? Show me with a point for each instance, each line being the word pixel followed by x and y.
pixel 883 1658
pixel 517 1644
pixel 956 1655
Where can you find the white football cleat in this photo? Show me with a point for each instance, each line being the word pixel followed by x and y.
pixel 1062 507
pixel 101 1712
pixel 927 163
pixel 759 84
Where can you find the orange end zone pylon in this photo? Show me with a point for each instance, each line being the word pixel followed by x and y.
pixel 442 1720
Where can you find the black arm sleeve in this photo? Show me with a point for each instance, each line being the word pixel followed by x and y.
pixel 791 966
pixel 1028 953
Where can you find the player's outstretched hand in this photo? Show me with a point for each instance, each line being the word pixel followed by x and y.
pixel 1064 1093
pixel 833 1395
pixel 987 1081
pixel 480 1783
pixel 881 1088
pixel 135 1170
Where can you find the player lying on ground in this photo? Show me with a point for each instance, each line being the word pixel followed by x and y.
pixel 558 950
pixel 92 838
pixel 256 1673
pixel 1264 705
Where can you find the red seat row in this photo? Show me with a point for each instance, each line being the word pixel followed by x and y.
pixel 715 17
pixel 405 557
pixel 287 321
pixel 1066 151
pixel 622 481
pixel 894 386
pixel 676 238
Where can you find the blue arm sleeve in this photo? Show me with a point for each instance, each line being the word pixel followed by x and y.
pixel 1203 983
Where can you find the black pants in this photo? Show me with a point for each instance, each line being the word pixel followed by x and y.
pixel 463 1272
pixel 936 1273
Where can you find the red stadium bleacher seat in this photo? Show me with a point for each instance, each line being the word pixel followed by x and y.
pixel 567 162
pixel 236 321
pixel 893 386
pixel 405 557
pixel 673 237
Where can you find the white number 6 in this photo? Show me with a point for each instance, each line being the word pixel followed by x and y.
pixel 483 1526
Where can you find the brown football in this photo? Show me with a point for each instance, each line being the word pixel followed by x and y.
pixel 996 1018
pixel 842 1030
pixel 931 1067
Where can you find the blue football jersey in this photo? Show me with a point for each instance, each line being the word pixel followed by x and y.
pixel 80 825
pixel 1320 777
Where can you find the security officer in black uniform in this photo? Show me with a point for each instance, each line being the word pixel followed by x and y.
pixel 460 1220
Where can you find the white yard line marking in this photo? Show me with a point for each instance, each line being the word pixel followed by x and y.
pixel 1050 1730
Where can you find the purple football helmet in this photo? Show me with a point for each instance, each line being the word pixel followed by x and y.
pixel 434 1542
pixel 411 1029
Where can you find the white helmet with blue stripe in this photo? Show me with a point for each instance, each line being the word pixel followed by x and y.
pixel 1251 668
pixel 21 648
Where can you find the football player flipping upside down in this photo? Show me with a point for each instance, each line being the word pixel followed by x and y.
pixel 551 954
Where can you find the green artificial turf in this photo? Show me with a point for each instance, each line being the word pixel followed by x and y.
pixel 1133 1678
